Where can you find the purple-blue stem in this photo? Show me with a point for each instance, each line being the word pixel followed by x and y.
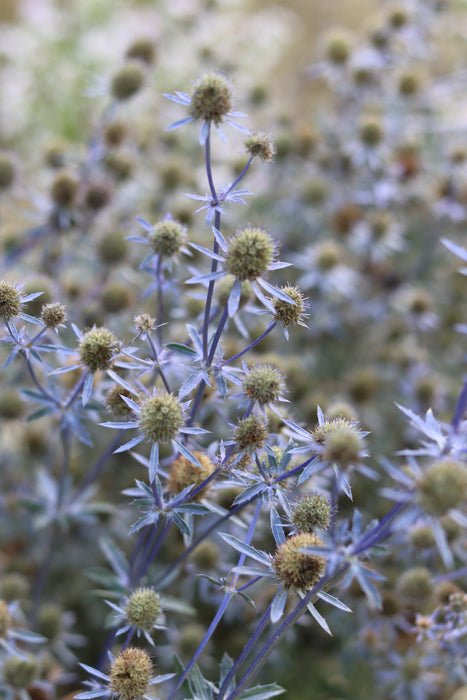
pixel 160 299
pixel 251 345
pixel 75 393
pixel 238 178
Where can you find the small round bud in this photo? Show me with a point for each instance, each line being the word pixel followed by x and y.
pixel 64 189
pixel 116 297
pixel 6 620
pixel 161 417
pixel 341 441
pixel 144 323
pixel 398 18
pixel 49 621
pixel 421 537
pixel 19 671
pixel 97 348
pixel 183 473
pixel 115 133
pixel 143 609
pixel 408 84
pixel 112 248
pixel 119 165
pixel 7 171
pixel 143 49
pixel 11 405
pixel 55 155
pixel 444 590
pixel 390 604
pixel 296 569
pixel 451 528
pixel 10 300
pixel 442 487
pixel 260 145
pixel 251 433
pixel 415 584
pixel 290 314
pixel 130 674
pixel 167 237
pixel 310 512
pixel 116 404
pixel 211 99
pixel 337 48
pixel 363 383
pixel 13 586
pixel 97 195
pixel 327 255
pixel 315 192
pixel 346 217
pixel 250 253
pixel 53 315
pixel 264 384
pixel 371 131
pixel 127 81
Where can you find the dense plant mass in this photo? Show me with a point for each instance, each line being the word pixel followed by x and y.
pixel 233 441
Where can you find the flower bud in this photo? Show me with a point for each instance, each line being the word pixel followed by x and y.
pixel 10 300
pixel 310 512
pixel 53 315
pixel 251 433
pixel 211 100
pixel 442 487
pixel 161 417
pixel 143 609
pixel 183 473
pixel 296 569
pixel 97 348
pixel 250 253
pixel 286 313
pixel 167 237
pixel 130 674
pixel 264 384
pixel 127 81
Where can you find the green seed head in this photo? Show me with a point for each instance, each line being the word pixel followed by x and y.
pixel 10 300
pixel 442 487
pixel 97 195
pixel 161 417
pixel 11 405
pixel 53 315
pixel 167 237
pixel 64 189
pixel 13 586
pixel 115 133
pixel 250 253
pixel 415 584
pixel 143 609
pixel 310 512
pixel 143 49
pixel 290 314
pixel 18 671
pixel 337 48
pixel 183 473
pixel 264 384
pixel 260 145
pixel 6 620
pixel 120 165
pixel 341 441
pixel 409 84
pixel 371 131
pixel 206 555
pixel 211 100
pixel 97 348
pixel 49 622
pixel 251 433
pixel 127 81
pixel 7 172
pixel 130 674
pixel 112 248
pixel 296 569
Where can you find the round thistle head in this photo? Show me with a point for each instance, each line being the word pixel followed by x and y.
pixel 315 192
pixel 64 189
pixel 97 195
pixel 415 584
pixel 250 253
pixel 264 384
pixel 127 81
pixel 341 441
pixel 337 48
pixel 290 314
pixel 421 537
pixel 97 348
pixel 398 17
pixel 6 620
pixel 10 300
pixel 49 620
pixel 143 609
pixel 183 473
pixel 11 405
pixel 167 237
pixel 250 433
pixel 115 133
pixel 442 487
pixel 328 254
pixel 13 586
pixel 116 404
pixel 371 131
pixel 294 568
pixel 112 248
pixel 144 323
pixel 260 145
pixel 310 512
pixel 119 165
pixel 20 671
pixel 143 49
pixel 444 590
pixel 115 297
pixel 211 99
pixel 53 315
pixel 409 84
pixel 161 417
pixel 130 674
pixel 7 172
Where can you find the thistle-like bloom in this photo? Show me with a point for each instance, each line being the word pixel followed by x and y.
pixel 141 611
pixel 130 677
pixel 296 569
pixel 11 302
pixel 248 255
pixel 210 102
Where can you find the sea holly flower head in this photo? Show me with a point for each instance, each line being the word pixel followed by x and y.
pixel 295 568
pixel 141 611
pixel 11 302
pixel 97 348
pixel 260 145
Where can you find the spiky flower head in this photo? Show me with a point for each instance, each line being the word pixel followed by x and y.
pixel 211 99
pixel 97 348
pixel 260 145
pixel 161 417
pixel 127 81
pixel 296 569
pixel 144 323
pixel 6 619
pixel 341 440
pixel 249 254
pixel 53 315
pixel 290 314
pixel 130 674
pixel 143 609
pixel 183 473
pixel 250 433
pixel 415 584
pixel 310 512
pixel 264 384
pixel 167 237
pixel 10 300
pixel 442 487
pixel 19 671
